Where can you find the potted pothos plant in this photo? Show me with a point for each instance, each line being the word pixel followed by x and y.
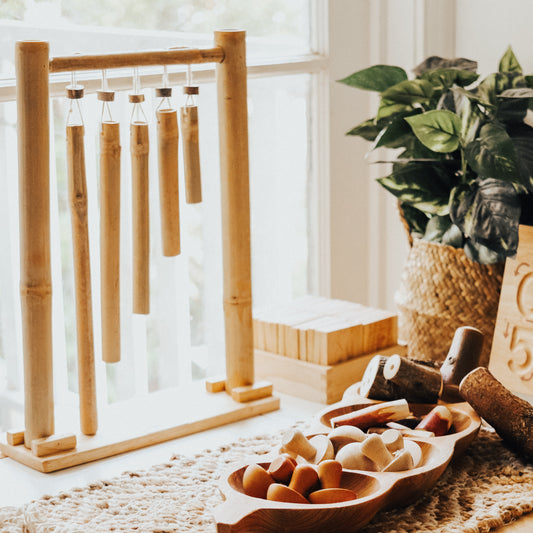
pixel 463 167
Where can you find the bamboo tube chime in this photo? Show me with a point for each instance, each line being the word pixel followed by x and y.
pixel 77 188
pixel 109 227
pixel 167 142
pixel 139 147
pixel 33 129
pixel 191 145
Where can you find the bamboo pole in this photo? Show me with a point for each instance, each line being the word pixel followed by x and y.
pixel 35 263
pixel 110 239
pixel 167 142
pixel 182 56
pixel 233 133
pixel 139 147
pixel 77 187
pixel 191 153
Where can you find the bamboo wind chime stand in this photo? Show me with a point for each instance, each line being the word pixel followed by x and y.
pixel 173 413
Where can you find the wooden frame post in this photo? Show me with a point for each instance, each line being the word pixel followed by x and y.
pixel 235 198
pixel 35 263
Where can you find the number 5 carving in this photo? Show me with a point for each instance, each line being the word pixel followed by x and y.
pixel 521 361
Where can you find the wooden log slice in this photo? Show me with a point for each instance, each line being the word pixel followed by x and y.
pixel 414 382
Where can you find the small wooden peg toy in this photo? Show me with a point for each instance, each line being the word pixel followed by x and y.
pixel 191 144
pixel 109 227
pixel 77 190
pixel 167 142
pixel 140 147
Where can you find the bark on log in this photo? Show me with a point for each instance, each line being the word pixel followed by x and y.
pixel 373 383
pixel 462 358
pixel 414 382
pixel 509 415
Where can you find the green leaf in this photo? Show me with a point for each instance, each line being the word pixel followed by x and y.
pixel 520 92
pixel 492 154
pixel 439 130
pixel 488 213
pixel 437 62
pixel 416 220
pixel 397 133
pixel 522 138
pixel 388 108
pixel 376 78
pixel 423 186
pixel 409 92
pixel 470 116
pixel 493 85
pixel 368 130
pixel 446 77
pixel 509 63
pixel 481 254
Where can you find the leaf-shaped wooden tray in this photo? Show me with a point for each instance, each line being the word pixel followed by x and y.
pixel 375 490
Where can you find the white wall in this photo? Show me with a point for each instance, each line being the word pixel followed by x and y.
pixel 485 28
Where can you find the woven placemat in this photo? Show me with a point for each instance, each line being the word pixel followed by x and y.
pixel 483 489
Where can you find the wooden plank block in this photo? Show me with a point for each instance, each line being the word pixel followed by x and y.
pixel 260 389
pixel 338 342
pixel 15 437
pixel 215 384
pixel 160 416
pixel 321 383
pixel 511 359
pixel 53 444
pixel 380 329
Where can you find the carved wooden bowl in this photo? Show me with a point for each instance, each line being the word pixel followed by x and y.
pixel 375 490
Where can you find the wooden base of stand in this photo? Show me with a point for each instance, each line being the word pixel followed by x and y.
pixel 158 417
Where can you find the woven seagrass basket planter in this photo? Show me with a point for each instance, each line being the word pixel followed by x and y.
pixel 441 290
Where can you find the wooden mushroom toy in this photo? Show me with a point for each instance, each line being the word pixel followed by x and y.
pixel 374 448
pixel 352 458
pixel 281 493
pixel 342 435
pixel 304 479
pixel 295 442
pixel 329 474
pixel 281 468
pixel 332 495
pixel 256 481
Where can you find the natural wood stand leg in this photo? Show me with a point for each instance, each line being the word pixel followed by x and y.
pixel 159 416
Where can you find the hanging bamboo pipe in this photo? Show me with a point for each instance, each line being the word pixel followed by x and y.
pixel 110 239
pixel 139 148
pixel 167 142
pixel 77 188
pixel 235 199
pixel 32 59
pixel 191 148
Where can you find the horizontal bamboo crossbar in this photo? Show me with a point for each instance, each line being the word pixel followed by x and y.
pixel 181 56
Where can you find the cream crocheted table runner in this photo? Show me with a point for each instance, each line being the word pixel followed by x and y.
pixel 485 488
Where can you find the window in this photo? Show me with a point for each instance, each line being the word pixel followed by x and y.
pixel 182 338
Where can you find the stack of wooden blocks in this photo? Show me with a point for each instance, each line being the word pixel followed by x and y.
pixel 316 347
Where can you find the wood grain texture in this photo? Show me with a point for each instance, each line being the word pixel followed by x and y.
pixel 184 56
pixel 169 195
pixel 191 154
pixel 235 199
pixel 511 359
pixel 110 240
pixel 53 444
pixel 154 423
pixel 31 58
pixel 140 149
pixel 77 188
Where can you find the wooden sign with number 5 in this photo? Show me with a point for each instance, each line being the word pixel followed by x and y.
pixel 511 359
